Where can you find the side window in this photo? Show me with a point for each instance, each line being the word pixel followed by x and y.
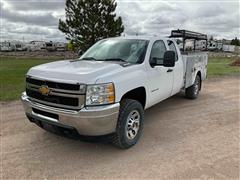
pixel 158 50
pixel 172 47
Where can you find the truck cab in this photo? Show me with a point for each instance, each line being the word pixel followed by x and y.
pixel 106 90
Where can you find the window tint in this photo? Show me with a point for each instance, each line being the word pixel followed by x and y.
pixel 172 47
pixel 158 50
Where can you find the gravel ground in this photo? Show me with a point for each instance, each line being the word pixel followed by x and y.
pixel 182 139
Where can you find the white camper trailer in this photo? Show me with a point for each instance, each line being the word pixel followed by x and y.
pixel 20 46
pixel 7 46
pixel 212 45
pixel 189 46
pixel 50 46
pixel 60 46
pixel 219 46
pixel 228 48
pixel 200 45
pixel 36 46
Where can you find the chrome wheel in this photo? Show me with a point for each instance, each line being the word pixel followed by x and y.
pixel 133 124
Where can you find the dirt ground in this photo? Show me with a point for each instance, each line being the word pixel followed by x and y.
pixel 182 139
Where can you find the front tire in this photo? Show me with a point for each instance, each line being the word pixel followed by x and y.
pixel 193 91
pixel 130 124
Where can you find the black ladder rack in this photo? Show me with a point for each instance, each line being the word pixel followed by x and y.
pixel 185 34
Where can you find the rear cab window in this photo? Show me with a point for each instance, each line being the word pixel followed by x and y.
pixel 172 47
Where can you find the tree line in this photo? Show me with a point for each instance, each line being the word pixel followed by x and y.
pixel 235 42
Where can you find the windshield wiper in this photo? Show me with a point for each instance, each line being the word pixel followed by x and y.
pixel 115 59
pixel 88 58
pixel 108 59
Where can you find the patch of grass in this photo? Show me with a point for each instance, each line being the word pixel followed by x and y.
pixel 12 75
pixel 221 66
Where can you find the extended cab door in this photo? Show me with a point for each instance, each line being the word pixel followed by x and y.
pixel 177 69
pixel 160 77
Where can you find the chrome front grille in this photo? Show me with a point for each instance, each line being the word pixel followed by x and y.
pixel 62 95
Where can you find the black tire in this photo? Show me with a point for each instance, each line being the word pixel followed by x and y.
pixel 193 91
pixel 121 137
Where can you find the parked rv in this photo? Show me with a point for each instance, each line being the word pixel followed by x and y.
pixel 201 45
pixel 219 46
pixel 228 48
pixel 20 46
pixel 7 46
pixel 188 46
pixel 212 45
pixel 60 46
pixel 50 46
pixel 36 46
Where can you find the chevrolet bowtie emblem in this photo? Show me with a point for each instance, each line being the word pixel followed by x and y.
pixel 44 90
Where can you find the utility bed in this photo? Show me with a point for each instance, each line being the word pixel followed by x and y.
pixel 193 61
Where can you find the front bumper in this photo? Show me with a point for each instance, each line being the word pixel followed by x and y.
pixel 91 121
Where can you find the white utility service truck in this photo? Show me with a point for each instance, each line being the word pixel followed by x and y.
pixel 106 90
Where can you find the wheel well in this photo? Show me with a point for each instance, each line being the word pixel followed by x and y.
pixel 138 94
pixel 199 74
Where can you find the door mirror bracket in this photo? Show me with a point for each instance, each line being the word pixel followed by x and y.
pixel 153 62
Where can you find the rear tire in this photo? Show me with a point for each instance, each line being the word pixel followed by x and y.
pixel 193 91
pixel 130 124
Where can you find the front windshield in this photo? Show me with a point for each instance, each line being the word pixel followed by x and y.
pixel 127 50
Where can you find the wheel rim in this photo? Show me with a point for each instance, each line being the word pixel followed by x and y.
pixel 132 125
pixel 196 86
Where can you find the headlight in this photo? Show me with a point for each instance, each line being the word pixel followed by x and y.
pixel 100 94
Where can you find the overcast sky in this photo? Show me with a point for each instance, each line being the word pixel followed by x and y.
pixel 38 19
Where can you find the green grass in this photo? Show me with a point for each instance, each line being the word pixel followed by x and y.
pixel 13 70
pixel 221 67
pixel 12 75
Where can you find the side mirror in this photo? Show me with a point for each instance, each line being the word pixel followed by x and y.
pixel 169 59
pixel 80 52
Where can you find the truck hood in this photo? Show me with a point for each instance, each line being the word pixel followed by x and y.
pixel 73 71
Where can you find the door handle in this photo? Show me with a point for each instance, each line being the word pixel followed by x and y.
pixel 169 70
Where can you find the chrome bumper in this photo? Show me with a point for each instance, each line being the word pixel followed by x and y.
pixel 91 121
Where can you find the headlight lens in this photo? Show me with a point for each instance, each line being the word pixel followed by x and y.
pixel 100 94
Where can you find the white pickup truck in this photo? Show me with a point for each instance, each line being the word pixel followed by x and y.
pixel 106 90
